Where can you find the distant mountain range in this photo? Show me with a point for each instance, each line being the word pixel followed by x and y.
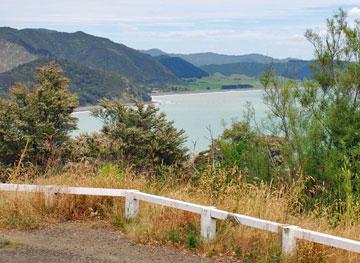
pixel 293 69
pixel 209 58
pixel 252 65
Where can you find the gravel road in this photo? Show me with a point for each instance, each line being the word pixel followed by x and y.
pixel 83 242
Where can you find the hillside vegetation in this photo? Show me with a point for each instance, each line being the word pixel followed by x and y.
pixel 251 65
pixel 12 55
pixel 97 67
pixel 90 85
pixel 181 68
pixel 294 69
pixel 210 58
pixel 91 51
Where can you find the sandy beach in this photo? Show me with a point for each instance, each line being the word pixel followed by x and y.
pixel 168 93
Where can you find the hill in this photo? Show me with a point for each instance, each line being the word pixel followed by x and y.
pixel 181 68
pixel 154 52
pixel 200 59
pixel 209 58
pixel 296 69
pixel 12 55
pixel 90 84
pixel 91 51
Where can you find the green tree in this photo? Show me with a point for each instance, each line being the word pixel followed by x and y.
pixel 37 122
pixel 320 119
pixel 141 136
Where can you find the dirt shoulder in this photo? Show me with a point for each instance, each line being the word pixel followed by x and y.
pixel 83 242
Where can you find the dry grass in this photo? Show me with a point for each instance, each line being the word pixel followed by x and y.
pixel 157 224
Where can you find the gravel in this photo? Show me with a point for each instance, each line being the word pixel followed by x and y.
pixel 85 242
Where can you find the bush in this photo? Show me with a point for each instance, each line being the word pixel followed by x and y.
pixel 258 156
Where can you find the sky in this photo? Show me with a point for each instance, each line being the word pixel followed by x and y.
pixel 269 27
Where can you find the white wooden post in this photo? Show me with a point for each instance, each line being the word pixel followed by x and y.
pixel 288 239
pixel 131 205
pixel 208 225
pixel 49 198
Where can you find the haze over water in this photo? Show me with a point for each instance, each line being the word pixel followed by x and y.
pixel 195 113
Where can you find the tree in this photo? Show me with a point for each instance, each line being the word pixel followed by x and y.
pixel 37 122
pixel 141 136
pixel 320 119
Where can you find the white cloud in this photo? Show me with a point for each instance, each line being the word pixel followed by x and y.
pixel 226 26
pixel 354 12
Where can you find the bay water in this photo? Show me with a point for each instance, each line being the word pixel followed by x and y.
pixel 199 114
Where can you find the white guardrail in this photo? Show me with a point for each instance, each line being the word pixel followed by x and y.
pixel 288 233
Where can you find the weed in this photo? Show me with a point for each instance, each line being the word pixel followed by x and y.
pixel 192 240
pixel 174 236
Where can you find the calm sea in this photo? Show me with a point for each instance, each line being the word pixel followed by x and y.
pixel 197 114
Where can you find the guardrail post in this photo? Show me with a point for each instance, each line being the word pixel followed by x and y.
pixel 131 205
pixel 288 239
pixel 49 196
pixel 208 225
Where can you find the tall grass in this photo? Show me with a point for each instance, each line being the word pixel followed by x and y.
pixel 156 224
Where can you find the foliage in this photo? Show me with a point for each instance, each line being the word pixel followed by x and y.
pixel 320 120
pixel 138 136
pixel 35 125
pixel 313 130
pixel 255 155
pixel 91 147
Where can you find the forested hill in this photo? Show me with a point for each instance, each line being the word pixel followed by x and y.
pixel 294 69
pixel 181 68
pixel 210 58
pixel 91 85
pixel 94 52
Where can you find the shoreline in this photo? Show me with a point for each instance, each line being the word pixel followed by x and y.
pixel 168 93
pixel 86 108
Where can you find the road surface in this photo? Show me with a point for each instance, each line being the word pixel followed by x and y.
pixel 84 242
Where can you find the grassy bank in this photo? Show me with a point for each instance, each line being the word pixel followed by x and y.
pixel 216 82
pixel 157 224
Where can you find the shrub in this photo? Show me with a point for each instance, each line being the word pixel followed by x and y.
pixel 258 156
